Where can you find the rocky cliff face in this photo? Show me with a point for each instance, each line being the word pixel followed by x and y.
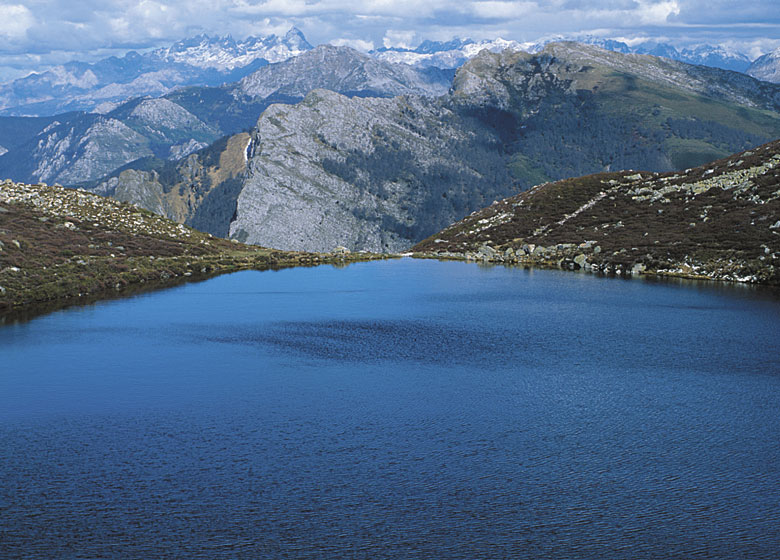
pixel 85 147
pixel 719 221
pixel 766 67
pixel 367 174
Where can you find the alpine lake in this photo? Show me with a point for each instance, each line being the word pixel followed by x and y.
pixel 396 409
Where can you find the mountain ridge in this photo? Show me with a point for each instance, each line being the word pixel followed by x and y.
pixel 174 126
pixel 200 60
pixel 719 221
pixel 381 174
pixel 61 247
pixel 203 60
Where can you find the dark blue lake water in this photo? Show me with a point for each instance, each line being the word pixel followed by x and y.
pixel 398 409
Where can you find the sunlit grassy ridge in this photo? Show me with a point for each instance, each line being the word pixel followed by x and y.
pixel 720 220
pixel 58 244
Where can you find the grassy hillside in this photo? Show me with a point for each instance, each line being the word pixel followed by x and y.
pixel 720 220
pixel 61 246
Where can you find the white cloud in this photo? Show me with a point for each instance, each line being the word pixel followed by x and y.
pixel 357 44
pixel 503 9
pixel 276 7
pixel 657 13
pixel 16 20
pixel 398 38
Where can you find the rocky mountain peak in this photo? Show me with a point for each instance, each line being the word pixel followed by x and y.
pixel 341 69
pixel 295 38
pixel 767 67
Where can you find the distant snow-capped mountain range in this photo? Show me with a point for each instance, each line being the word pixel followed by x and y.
pixel 100 86
pixel 226 54
pixel 208 61
pixel 452 54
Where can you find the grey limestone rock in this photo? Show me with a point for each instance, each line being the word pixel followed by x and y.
pixel 340 69
pixel 314 179
pixel 766 67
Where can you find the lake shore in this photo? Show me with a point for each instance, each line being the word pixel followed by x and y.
pixel 568 260
pixel 60 247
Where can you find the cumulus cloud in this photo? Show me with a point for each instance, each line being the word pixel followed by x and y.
pixel 399 38
pixel 16 20
pixel 357 44
pixel 657 13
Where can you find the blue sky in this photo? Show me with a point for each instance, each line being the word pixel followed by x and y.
pixel 35 34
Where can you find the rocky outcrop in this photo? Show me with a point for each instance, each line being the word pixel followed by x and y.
pixel 719 221
pixel 198 190
pixel 339 171
pixel 766 67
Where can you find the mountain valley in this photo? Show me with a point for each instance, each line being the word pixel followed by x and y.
pixel 382 174
pixel 333 147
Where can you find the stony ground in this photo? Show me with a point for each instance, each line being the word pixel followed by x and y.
pixel 59 246
pixel 718 221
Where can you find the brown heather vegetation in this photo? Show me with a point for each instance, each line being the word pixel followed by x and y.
pixel 721 220
pixel 60 246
